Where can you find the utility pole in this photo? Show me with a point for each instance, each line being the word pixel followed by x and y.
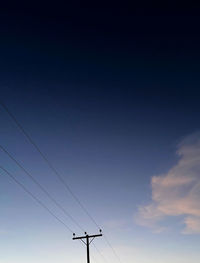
pixel 88 242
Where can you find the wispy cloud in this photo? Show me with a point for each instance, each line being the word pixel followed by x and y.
pixel 176 193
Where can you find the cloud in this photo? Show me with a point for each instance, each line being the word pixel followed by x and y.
pixel 192 225
pixel 176 193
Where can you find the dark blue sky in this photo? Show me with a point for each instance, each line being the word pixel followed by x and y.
pixel 107 93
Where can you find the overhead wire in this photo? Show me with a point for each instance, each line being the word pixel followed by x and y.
pixel 113 250
pixel 41 188
pixel 35 198
pixel 56 173
pixel 104 259
pixel 49 163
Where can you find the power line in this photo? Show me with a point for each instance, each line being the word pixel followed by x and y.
pixel 41 187
pixel 57 174
pixel 100 253
pixel 50 197
pixel 94 258
pixel 35 198
pixel 49 163
pixel 89 239
pixel 114 252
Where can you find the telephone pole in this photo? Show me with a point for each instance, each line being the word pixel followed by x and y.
pixel 88 242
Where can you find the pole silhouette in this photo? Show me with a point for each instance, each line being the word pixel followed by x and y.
pixel 88 242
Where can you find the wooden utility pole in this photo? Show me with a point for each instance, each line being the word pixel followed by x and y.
pixel 88 242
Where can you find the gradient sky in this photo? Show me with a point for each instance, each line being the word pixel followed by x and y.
pixel 111 96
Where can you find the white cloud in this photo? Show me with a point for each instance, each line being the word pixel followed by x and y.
pixel 192 225
pixel 177 193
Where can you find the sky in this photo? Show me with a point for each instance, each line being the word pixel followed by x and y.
pixel 110 95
